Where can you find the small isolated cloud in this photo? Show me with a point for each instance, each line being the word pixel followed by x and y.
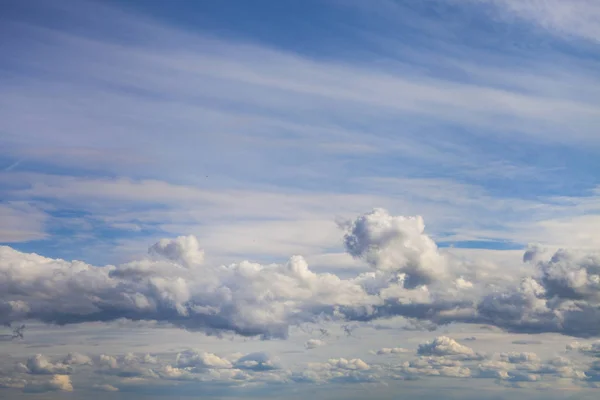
pixel 184 250
pixel 55 383
pixel 516 358
pixel 105 388
pixel 443 346
pixel 391 350
pixel 526 342
pixel 314 343
pixel 353 364
pixel 259 361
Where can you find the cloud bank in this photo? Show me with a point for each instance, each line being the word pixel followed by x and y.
pixel 411 278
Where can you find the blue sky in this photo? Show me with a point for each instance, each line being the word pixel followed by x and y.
pixel 311 97
pixel 259 127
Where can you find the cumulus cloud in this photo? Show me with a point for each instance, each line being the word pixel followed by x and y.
pixel 433 366
pixel 444 346
pixel 200 360
pixel 395 244
pixel 391 350
pixel 589 349
pixel 411 278
pixel 77 359
pixel 105 388
pixel 246 298
pixel 562 296
pixel 515 357
pixel 39 364
pixel 259 361
pixel 337 370
pixel 259 368
pixel 314 343
pixel 56 383
pixel 184 250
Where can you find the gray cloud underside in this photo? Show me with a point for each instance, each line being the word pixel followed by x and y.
pixel 410 277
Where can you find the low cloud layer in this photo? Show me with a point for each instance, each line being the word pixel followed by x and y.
pixel 442 357
pixel 411 277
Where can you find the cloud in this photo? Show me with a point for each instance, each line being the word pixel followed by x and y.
pixel 8 382
pixel 411 279
pixel 443 346
pixel 434 366
pixel 589 349
pixel 201 360
pixel 516 358
pixel 107 361
pixel 395 244
pixel 392 350
pixel 184 250
pixel 526 342
pixel 574 19
pixel 563 296
pixel 572 276
pixel 39 364
pixel 105 388
pixel 56 383
pixel 340 370
pixel 259 369
pixel 77 359
pixel 21 222
pixel 314 343
pixel 259 361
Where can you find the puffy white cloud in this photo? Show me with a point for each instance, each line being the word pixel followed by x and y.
pixel 259 368
pixel 353 364
pixel 444 346
pixel 515 358
pixel 105 388
pixel 434 366
pixel 494 370
pixel 589 349
pixel 391 350
pixel 337 370
pixel 247 298
pixel 149 359
pixel 107 361
pixel 201 360
pixel 574 276
pixel 314 343
pixel 56 383
pixel 184 250
pixel 563 296
pixel 411 279
pixel 259 361
pixel 395 244
pixel 39 364
pixel 77 359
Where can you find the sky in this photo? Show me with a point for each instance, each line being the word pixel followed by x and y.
pixel 329 198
